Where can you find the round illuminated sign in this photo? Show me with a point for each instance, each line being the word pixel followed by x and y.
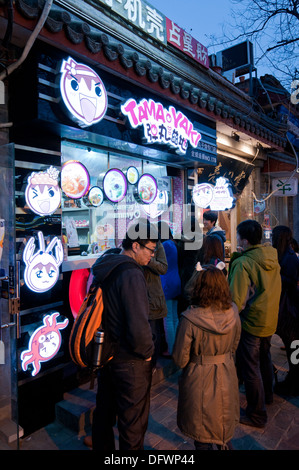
pixel 83 93
pixel 95 196
pixel 75 179
pixel 132 175
pixel 115 185
pixel 147 188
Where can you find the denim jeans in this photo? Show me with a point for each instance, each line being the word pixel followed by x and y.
pixel 123 393
pixel 255 363
pixel 171 322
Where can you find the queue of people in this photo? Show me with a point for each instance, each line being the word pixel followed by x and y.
pixel 218 325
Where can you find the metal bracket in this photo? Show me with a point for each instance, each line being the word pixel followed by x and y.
pixel 14 305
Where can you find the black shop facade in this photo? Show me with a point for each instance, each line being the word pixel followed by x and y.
pixel 92 152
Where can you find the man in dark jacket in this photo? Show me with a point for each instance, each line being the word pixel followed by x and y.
pixel 209 221
pixel 124 383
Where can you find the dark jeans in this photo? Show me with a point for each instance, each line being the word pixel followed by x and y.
pixel 157 338
pixel 123 393
pixel 255 363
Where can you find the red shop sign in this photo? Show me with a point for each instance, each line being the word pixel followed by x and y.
pixel 182 40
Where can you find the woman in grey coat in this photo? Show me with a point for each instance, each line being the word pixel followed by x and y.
pixel 207 338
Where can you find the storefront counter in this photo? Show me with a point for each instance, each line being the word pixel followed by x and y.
pixel 79 262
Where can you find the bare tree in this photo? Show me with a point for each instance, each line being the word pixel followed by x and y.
pixel 273 27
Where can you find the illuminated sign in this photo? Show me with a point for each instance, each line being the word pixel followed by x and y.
pixel 147 189
pixel 42 192
pixel 218 197
pixel 132 175
pixel 115 185
pixel 75 179
pixel 95 196
pixel 161 125
pixel 83 93
pixel 44 343
pixel 42 268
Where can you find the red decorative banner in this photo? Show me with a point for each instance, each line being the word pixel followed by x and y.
pixel 183 41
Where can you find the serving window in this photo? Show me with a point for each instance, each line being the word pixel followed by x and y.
pixel 103 192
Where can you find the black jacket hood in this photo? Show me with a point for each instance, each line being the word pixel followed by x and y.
pixel 109 261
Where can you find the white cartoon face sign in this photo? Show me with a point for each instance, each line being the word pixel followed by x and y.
pixel 83 92
pixel 44 343
pixel 218 197
pixel 202 194
pixel 42 194
pixel 42 268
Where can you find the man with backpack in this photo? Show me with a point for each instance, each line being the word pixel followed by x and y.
pixel 124 383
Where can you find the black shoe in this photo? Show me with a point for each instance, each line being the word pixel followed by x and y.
pixel 248 422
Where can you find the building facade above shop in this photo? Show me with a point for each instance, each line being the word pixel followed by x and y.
pixel 97 32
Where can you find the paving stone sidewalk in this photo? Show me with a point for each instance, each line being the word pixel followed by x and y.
pixel 281 432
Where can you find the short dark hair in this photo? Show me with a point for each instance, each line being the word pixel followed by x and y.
pixel 212 216
pixel 251 231
pixel 209 287
pixel 142 232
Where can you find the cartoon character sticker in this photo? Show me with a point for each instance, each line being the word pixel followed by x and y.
pixel 44 343
pixel 42 194
pixel 83 92
pixel 42 268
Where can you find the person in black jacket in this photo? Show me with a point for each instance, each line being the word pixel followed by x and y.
pixel 288 317
pixel 124 383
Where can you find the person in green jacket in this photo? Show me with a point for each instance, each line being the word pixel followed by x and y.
pixel 255 284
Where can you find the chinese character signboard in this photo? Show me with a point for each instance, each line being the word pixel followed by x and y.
pixel 142 15
pixel 285 186
pixel 182 40
pixel 235 171
pixel 161 125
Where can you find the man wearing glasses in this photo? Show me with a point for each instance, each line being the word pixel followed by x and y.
pixel 124 383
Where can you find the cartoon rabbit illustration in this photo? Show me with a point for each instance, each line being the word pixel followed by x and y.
pixel 42 267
